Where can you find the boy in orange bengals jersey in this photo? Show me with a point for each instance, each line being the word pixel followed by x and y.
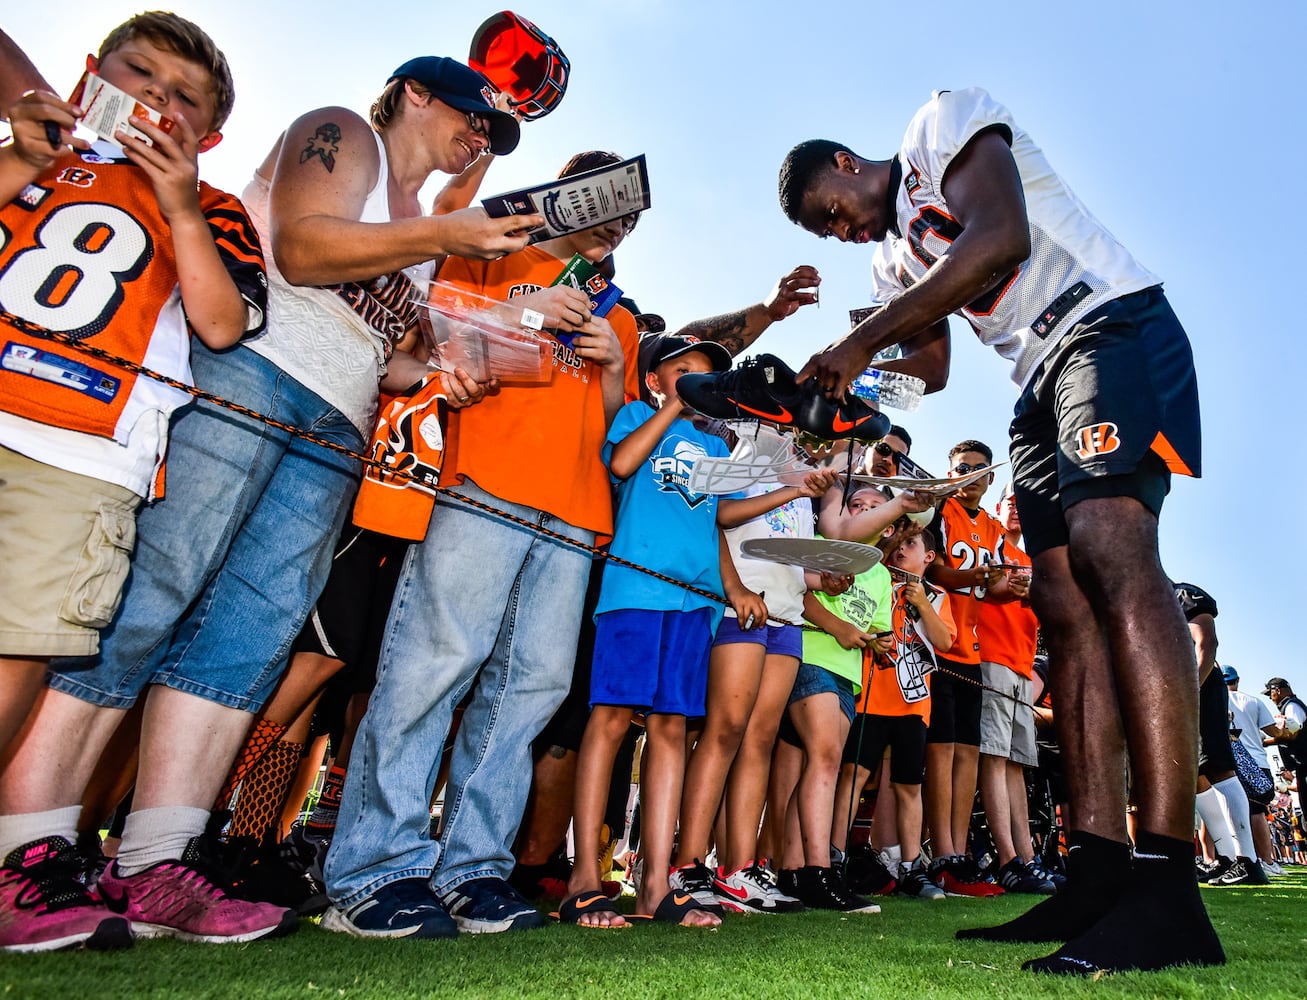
pixel 1007 632
pixel 119 247
pixel 967 537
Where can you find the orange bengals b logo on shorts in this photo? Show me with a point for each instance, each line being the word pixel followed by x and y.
pixel 1097 439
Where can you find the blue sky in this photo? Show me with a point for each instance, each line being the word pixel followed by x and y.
pixel 1174 122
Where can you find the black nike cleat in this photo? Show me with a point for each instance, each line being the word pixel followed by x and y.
pixel 763 388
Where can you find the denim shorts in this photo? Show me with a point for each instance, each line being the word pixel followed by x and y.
pixel 812 680
pixel 227 566
pixel 780 640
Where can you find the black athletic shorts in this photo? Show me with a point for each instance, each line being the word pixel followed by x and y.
pixel 1215 758
pixel 903 735
pixel 955 703
pixel 1113 411
pixel 349 620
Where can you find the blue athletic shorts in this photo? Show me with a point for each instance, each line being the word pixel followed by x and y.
pixel 654 661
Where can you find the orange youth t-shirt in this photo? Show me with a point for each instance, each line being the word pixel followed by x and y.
pixel 538 445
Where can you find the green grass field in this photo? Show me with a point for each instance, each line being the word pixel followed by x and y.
pixel 908 950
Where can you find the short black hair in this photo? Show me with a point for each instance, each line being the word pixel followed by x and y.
pixel 971 445
pixel 802 166
pixel 901 433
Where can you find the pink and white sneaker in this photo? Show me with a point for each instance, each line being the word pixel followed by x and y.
pixel 43 906
pixel 178 899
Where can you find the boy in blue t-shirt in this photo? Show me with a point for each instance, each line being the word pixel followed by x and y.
pixel 652 637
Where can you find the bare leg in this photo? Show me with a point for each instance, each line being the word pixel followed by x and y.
pixel 187 745
pixel 50 764
pixel 852 781
pixel 1084 689
pixel 1020 805
pixel 822 726
pixel 661 779
pixel 603 735
pixel 1159 920
pixel 787 763
pixel 734 677
pixel 746 789
pixel 20 682
pixel 884 821
pixel 998 807
pixel 115 772
pixel 908 799
pixel 939 798
pixel 966 768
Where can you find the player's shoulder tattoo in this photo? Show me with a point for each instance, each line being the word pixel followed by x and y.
pixel 323 145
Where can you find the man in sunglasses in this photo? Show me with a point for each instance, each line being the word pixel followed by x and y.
pixel 970 218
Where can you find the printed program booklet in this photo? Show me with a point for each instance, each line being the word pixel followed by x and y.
pixel 580 201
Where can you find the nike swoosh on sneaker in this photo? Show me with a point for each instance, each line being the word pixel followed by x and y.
pixel 781 417
pixel 731 890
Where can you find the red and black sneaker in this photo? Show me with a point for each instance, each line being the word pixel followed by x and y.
pixel 763 388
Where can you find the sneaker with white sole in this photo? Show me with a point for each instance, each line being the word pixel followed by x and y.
pixel 751 889
pixel 958 876
pixel 696 878
pixel 1272 868
pixel 489 906
pixel 45 907
pixel 401 909
pixel 185 898
pixel 1016 876
pixel 915 883
pixel 1044 871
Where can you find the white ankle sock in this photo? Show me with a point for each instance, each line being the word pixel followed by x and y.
pixel 23 828
pixel 159 834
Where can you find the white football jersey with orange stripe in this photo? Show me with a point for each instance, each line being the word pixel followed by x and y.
pixel 1075 264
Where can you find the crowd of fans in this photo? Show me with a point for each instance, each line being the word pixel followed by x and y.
pixel 483 710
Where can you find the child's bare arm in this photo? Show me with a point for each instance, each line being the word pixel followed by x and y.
pixel 731 513
pixel 749 607
pixel 836 521
pixel 844 632
pixel 937 633
pixel 214 306
pixel 632 451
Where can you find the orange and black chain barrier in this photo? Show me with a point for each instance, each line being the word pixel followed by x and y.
pixel 18 323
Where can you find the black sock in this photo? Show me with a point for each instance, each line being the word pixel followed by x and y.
pixel 1158 922
pixel 1097 869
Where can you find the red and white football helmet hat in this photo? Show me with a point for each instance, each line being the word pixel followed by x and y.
pixel 522 61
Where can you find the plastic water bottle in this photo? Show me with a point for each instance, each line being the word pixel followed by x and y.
pixel 903 392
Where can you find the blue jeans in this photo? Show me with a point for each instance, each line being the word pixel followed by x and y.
pixel 482 605
pixel 227 566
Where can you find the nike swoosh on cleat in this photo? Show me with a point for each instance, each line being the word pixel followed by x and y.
pixel 840 425
pixel 784 416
